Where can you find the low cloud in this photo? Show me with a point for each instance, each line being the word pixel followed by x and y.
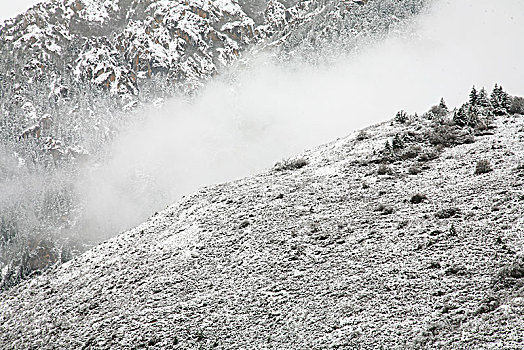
pixel 237 127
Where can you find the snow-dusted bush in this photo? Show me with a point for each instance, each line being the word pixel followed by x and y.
pixel 483 167
pixel 411 152
pixel 447 213
pixel 384 169
pixel 384 209
pixel 514 270
pixel 418 198
pixel 438 111
pixel 362 135
pixel 428 154
pixel 448 136
pixel 517 105
pixel 291 164
pixel 414 170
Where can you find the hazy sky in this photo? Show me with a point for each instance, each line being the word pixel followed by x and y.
pixel 11 8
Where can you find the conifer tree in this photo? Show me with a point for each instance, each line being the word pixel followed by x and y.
pixel 387 148
pixel 473 96
pixel 460 117
pixel 505 100
pixel 482 98
pixel 397 142
pixel 401 117
pixel 443 105
pixel 500 100
pixel 472 114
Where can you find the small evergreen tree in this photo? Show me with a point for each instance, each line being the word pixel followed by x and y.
pixel 500 100
pixel 505 100
pixel 460 117
pixel 482 99
pixel 65 254
pixel 11 278
pixel 401 117
pixel 397 142
pixel 494 94
pixel 472 114
pixel 473 96
pixel 443 105
pixel 387 148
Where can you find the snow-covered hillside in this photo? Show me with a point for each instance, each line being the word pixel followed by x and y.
pixel 407 234
pixel 75 73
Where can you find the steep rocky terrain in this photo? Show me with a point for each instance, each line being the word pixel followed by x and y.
pixel 416 244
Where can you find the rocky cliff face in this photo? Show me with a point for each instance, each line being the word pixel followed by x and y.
pixel 407 234
pixel 115 44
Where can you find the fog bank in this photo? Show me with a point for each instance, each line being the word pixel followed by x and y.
pixel 238 127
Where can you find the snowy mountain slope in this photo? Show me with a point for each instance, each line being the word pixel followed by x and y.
pixel 332 250
pixel 72 74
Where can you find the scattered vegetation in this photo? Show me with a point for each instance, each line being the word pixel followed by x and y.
pixel 440 128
